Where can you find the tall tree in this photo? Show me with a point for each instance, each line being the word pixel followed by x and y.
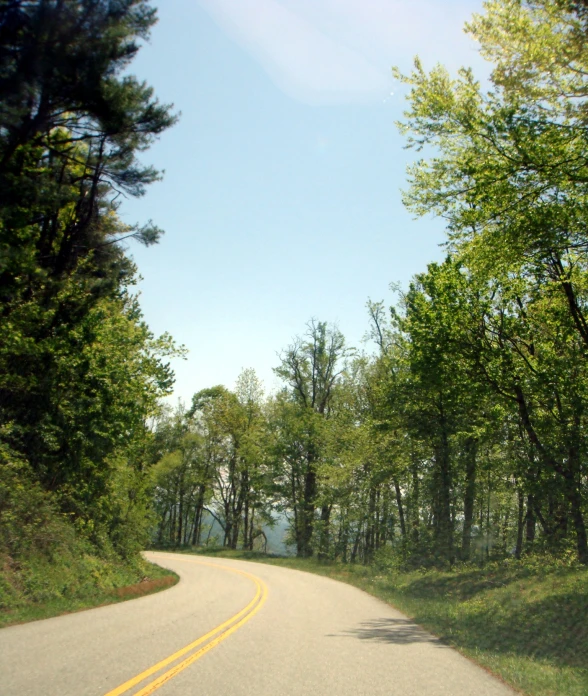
pixel 510 177
pixel 311 368
pixel 81 372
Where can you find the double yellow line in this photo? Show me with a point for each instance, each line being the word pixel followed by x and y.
pixel 208 641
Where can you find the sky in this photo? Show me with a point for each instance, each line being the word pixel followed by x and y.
pixel 281 198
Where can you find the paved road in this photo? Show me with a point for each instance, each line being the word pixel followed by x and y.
pixel 268 632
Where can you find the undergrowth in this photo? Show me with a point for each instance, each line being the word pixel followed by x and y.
pixel 49 567
pixel 39 588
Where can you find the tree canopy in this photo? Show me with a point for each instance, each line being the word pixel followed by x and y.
pixel 81 372
pixel 462 435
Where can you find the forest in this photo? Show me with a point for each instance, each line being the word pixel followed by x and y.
pixel 457 433
pixel 462 437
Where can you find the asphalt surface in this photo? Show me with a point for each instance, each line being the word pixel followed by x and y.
pixel 282 632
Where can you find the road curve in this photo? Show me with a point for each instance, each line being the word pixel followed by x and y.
pixel 266 631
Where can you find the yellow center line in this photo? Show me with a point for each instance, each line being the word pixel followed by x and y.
pixel 227 627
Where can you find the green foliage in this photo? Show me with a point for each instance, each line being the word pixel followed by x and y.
pixel 212 468
pixel 73 578
pixel 463 437
pixel 449 470
pixel 509 177
pixel 81 373
pixel 28 519
pixel 48 565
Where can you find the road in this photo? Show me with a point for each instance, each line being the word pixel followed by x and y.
pixel 234 628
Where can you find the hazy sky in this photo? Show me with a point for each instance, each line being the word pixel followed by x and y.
pixel 281 196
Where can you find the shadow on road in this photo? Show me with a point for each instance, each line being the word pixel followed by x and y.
pixel 397 631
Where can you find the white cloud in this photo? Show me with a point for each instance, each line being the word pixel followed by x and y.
pixel 341 50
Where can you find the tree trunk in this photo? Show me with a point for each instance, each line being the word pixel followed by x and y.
pixel 378 520
pixel 574 496
pixel 400 508
pixel 530 519
pixel 356 545
pixel 235 532
pixel 246 524
pixel 568 472
pixel 198 517
pixel 307 516
pixel 325 542
pixel 187 529
pixel 161 528
pixel 488 536
pixel 368 552
pixel 172 527
pixel 343 540
pixel 180 521
pixel 385 521
pixel 520 523
pixel 443 527
pixel 415 504
pixel 250 535
pixel 228 526
pixel 470 453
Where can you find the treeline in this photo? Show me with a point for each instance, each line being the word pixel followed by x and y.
pixel 213 468
pixel 461 437
pixel 464 436
pixel 80 372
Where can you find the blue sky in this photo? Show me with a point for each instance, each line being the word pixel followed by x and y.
pixel 281 196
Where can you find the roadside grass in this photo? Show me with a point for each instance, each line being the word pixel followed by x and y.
pixel 525 621
pixel 40 589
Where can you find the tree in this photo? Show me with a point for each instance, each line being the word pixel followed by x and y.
pixel 182 479
pixel 233 428
pixel 311 368
pixel 254 457
pixel 510 179
pixel 81 373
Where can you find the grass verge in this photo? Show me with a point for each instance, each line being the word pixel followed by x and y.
pixel 39 591
pixel 525 621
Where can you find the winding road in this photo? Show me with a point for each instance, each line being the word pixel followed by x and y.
pixel 233 628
